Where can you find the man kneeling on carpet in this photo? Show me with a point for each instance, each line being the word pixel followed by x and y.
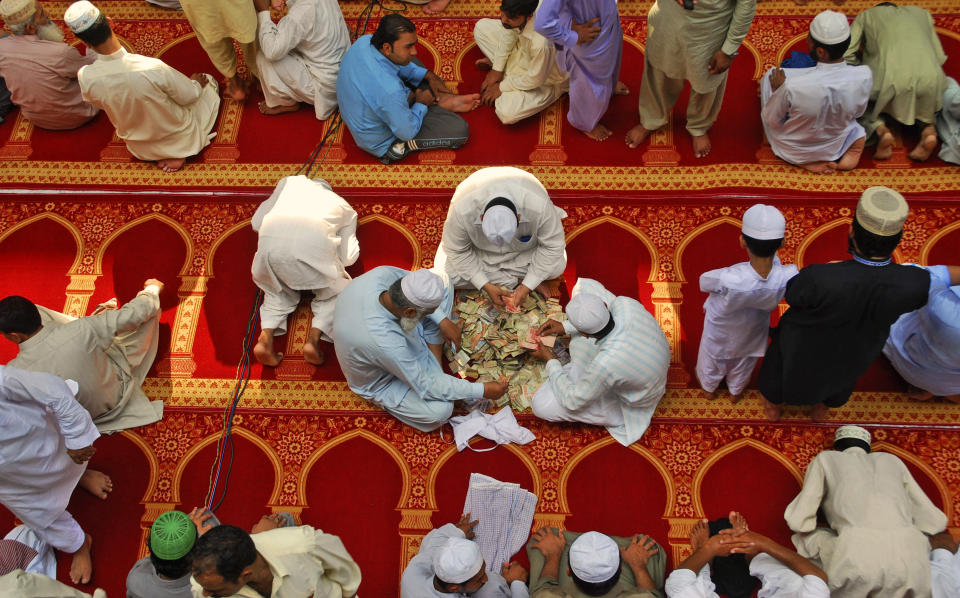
pixel 160 113
pixel 593 565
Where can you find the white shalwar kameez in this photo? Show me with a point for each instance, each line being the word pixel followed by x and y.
pixel 299 57
pixel 776 581
pixel 538 250
pixel 879 516
pixel 945 573
pixel 736 321
pixel 307 237
pixel 39 420
pixel 813 116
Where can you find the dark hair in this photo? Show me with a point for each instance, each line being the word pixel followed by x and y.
pixel 834 51
pixel 226 549
pixel 597 588
pixel 871 245
pixel 518 8
pixel 390 28
pixel 762 247
pixel 19 314
pixel 398 298
pixel 731 574
pixel 174 569
pixel 845 443
pixel 97 33
pixel 607 329
pixel 500 201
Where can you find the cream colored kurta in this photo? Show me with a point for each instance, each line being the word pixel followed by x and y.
pixel 904 53
pixel 878 515
pixel 33 585
pixel 299 57
pixel 159 112
pixel 108 355
pixel 214 20
pixel 532 79
pixel 537 252
pixel 305 563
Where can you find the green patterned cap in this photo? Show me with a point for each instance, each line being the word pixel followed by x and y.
pixel 172 535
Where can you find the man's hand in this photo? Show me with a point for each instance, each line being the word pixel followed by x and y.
pixel 543 353
pixel 514 571
pixel 720 63
pixel 493 77
pixel 495 390
pixel 201 79
pixel 261 5
pixel 490 94
pixel 466 526
pixel 727 544
pixel 201 519
pixel 451 332
pixel 425 97
pixel 777 78
pixel 278 5
pixel 551 328
pixel 639 551
pixel 519 294
pixel 81 455
pixel 267 523
pixel 747 542
pixel 495 293
pixel 586 32
pixel 154 282
pixel 549 542
pixel 437 85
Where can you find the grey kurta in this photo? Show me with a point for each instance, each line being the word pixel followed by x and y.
pixel 878 515
pixel 108 355
pixel 948 123
pixel 904 53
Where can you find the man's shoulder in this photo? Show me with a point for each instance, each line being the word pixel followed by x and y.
pixel 286 540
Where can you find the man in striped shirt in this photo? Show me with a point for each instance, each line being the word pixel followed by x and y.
pixel 618 368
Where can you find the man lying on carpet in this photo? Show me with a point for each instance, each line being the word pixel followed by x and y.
pixel 108 353
pixel 306 237
pixel 810 114
pixel 573 565
pixel 502 232
pixel 879 520
pixel 40 70
pixel 390 326
pixel 391 103
pixel 619 357
pixel 160 114
pixel 729 558
pixel 449 564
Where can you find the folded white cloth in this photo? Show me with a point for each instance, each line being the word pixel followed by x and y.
pixel 504 512
pixel 500 427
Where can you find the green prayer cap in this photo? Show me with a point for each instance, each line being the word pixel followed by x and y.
pixel 172 535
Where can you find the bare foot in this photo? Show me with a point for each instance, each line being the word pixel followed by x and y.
pixel 738 521
pixel 851 157
pixel 820 167
pixel 699 534
pixel 436 6
pixel 549 288
pixel 819 412
pixel 945 541
pixel 599 132
pixel 884 144
pixel 709 395
pixel 736 398
pixel 483 64
pixel 271 110
pixel 237 88
pixel 918 394
pixel 770 410
pixel 953 398
pixel 928 143
pixel 459 103
pixel 621 89
pixel 81 569
pixel 311 349
pixel 701 145
pixel 171 164
pixel 96 483
pixel 636 136
pixel 263 350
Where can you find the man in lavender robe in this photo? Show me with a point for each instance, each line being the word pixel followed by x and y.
pixel 589 40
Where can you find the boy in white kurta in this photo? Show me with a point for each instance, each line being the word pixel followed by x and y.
pixel 307 237
pixel 737 312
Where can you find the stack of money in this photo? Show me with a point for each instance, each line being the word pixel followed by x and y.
pixel 496 341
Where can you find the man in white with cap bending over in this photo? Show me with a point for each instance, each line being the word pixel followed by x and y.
pixel 810 114
pixel 160 113
pixel 618 368
pixel 390 326
pixel 449 564
pixel 502 230
pixel 879 517
pixel 572 565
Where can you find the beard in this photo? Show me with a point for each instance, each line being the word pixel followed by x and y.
pixel 408 325
pixel 50 32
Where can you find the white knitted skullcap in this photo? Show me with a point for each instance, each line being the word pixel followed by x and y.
pixel 15 12
pixel 423 288
pixel 499 224
pixel 594 557
pixel 830 27
pixel 80 16
pixel 457 561
pixel 763 223
pixel 587 313
pixel 854 432
pixel 882 211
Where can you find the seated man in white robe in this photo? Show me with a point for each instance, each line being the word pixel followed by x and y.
pixel 160 113
pixel 524 76
pixel 299 57
pixel 782 572
pixel 879 520
pixel 109 353
pixel 390 326
pixel 307 238
pixel 503 236
pixel 617 373
pixel 449 564
pixel 46 438
pixel 810 114
pixel 23 584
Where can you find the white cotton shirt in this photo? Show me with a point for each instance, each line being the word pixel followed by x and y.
pixel 684 583
pixel 779 581
pixel 945 573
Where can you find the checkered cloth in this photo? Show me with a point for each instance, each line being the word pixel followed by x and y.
pixel 504 511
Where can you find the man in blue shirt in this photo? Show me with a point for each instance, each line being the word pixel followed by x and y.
pixel 391 103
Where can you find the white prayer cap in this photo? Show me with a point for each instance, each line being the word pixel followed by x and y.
pixel 853 432
pixel 830 27
pixel 80 16
pixel 763 223
pixel 15 12
pixel 882 211
pixel 587 313
pixel 499 224
pixel 457 561
pixel 423 288
pixel 594 557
